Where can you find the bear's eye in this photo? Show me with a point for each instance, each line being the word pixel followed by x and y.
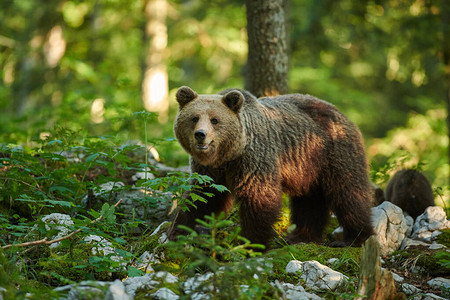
pixel 195 119
pixel 214 121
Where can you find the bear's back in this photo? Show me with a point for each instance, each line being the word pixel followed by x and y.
pixel 307 108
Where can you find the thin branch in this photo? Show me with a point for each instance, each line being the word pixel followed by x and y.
pixel 47 242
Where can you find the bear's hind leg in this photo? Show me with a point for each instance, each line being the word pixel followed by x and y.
pixel 310 214
pixel 354 215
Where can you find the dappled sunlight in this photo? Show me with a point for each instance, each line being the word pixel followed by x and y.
pixel 55 46
pixel 425 141
pixel 98 110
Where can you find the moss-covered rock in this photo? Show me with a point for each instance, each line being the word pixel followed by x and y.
pixel 347 263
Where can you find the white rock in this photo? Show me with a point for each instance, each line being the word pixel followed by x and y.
pixel 338 234
pixel 295 292
pixel 166 277
pixel 439 283
pixel 390 225
pixel 331 261
pixel 94 289
pixel 60 222
pixel 430 296
pixel 143 175
pixel 107 187
pixel 132 205
pixel 320 277
pixel 409 224
pixel 397 278
pixel 165 294
pixel 133 283
pixel 409 289
pixel 116 291
pixel 436 246
pixel 407 243
pixel 428 225
pixel 102 246
pixel 193 284
pixel 293 266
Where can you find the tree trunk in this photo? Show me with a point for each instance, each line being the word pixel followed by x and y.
pixel 446 57
pixel 155 83
pixel 267 64
pixel 374 283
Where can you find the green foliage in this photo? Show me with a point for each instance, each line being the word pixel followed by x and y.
pixel 60 174
pixel 348 258
pixel 228 260
pixel 444 259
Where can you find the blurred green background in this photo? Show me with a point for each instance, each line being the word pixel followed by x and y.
pixel 80 65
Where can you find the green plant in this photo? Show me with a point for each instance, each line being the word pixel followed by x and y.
pixel 228 260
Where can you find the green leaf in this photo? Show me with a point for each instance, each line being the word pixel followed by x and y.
pixel 61 189
pixel 219 187
pixel 92 157
pixel 196 197
pixel 60 203
pixel 134 272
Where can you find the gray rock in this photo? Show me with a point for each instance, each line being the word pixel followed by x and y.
pixel 436 246
pixel 165 294
pixel 389 225
pixel 338 234
pixel 198 285
pixel 428 225
pixel 150 205
pixel 60 222
pixel 133 283
pixel 409 224
pixel 409 289
pixel 397 278
pixel 332 261
pixel 94 290
pixel 142 175
pixel 320 277
pixel 430 296
pixel 295 292
pixel 165 277
pixel 293 266
pixel 116 291
pixel 439 283
pixel 407 243
pixel 102 246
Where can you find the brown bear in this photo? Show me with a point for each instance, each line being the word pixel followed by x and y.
pixel 260 148
pixel 411 191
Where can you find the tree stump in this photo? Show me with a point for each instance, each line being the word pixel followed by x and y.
pixel 375 283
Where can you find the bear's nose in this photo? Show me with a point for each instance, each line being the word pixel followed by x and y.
pixel 200 135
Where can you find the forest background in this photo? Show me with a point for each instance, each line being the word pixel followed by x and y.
pixel 89 65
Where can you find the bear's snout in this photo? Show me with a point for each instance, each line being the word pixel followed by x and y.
pixel 200 135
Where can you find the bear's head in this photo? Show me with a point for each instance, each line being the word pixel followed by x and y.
pixel 209 127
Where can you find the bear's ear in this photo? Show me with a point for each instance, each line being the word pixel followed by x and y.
pixel 233 100
pixel 185 95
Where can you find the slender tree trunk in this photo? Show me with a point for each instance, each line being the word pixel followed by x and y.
pixel 267 64
pixel 155 86
pixel 446 56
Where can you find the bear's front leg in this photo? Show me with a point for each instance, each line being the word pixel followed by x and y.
pixel 260 208
pixel 219 202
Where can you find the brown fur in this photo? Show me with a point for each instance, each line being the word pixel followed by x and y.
pixel 411 191
pixel 260 148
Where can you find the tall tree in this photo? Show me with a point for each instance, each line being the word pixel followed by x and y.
pixel 446 57
pixel 155 83
pixel 267 64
